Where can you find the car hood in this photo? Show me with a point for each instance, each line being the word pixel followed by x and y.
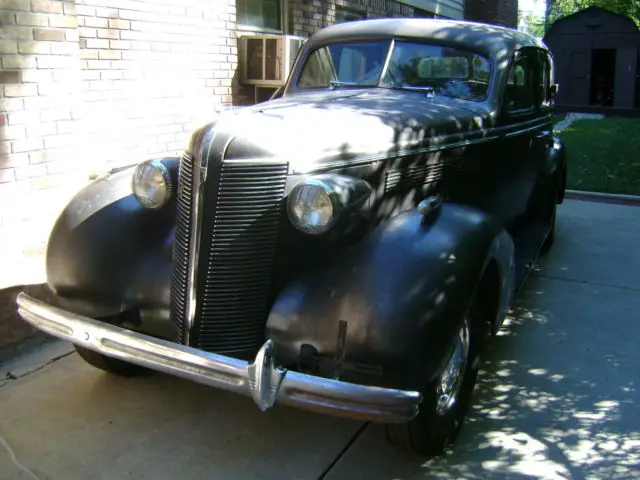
pixel 311 129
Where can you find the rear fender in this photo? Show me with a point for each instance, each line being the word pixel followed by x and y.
pixel 385 310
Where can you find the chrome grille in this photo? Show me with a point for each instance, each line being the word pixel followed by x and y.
pixel 233 302
pixel 182 243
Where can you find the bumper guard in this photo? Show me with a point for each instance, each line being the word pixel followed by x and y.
pixel 260 379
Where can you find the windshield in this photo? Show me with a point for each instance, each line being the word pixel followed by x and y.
pixel 360 63
pixel 448 71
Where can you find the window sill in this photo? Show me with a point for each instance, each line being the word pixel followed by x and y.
pixel 253 29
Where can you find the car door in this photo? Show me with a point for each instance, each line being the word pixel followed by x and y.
pixel 543 138
pixel 545 172
pixel 521 127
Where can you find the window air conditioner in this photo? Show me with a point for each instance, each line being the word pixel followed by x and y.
pixel 267 59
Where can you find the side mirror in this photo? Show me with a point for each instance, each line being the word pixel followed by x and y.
pixel 554 89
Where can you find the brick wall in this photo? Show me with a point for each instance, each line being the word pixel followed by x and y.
pixel 499 12
pixel 308 16
pixel 87 85
pixel 151 71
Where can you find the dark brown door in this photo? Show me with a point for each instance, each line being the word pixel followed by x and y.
pixel 579 69
pixel 625 82
pixel 603 75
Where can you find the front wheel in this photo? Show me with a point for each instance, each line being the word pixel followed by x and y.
pixel 446 399
pixel 550 238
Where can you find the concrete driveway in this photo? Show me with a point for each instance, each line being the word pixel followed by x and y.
pixel 558 396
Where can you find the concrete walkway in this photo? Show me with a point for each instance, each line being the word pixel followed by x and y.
pixel 558 396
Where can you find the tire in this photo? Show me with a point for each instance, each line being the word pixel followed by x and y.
pixel 563 186
pixel 434 429
pixel 109 364
pixel 548 242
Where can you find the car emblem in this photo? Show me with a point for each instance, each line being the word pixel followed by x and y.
pixel 264 377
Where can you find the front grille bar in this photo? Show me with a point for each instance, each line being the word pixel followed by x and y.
pixel 241 238
pixel 224 246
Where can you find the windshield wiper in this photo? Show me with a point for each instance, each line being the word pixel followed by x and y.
pixel 430 92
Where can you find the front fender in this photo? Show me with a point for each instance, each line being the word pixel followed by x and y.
pixel 107 253
pixel 384 311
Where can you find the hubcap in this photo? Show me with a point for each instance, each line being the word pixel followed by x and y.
pixel 453 372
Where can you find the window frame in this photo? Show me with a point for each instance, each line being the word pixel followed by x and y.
pixel 532 57
pixel 282 20
pixel 546 101
pixel 362 15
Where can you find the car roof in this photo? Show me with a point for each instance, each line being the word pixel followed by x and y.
pixel 491 40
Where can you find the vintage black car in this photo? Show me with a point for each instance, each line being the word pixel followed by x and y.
pixel 344 248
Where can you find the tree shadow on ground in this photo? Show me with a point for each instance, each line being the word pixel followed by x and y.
pixel 556 399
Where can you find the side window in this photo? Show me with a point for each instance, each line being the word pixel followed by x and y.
pixel 519 94
pixel 545 80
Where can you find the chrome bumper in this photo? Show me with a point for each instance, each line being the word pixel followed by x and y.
pixel 259 379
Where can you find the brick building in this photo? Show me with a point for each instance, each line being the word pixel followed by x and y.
pixel 88 85
pixel 500 12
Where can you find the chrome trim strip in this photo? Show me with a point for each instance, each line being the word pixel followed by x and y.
pixel 524 130
pixel 496 133
pixel 200 161
pixel 365 160
pixel 201 170
pixel 385 67
pixel 260 379
pixel 254 161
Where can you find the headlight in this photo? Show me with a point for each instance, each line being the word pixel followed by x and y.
pixel 151 184
pixel 316 205
pixel 311 208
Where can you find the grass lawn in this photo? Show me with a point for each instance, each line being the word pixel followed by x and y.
pixel 604 155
